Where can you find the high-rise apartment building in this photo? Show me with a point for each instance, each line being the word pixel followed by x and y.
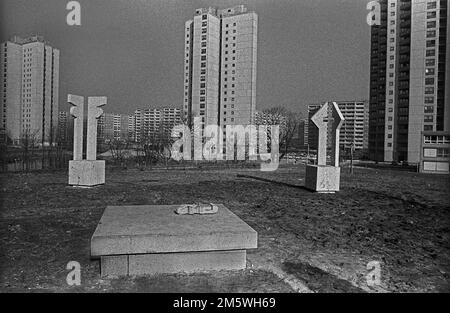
pixel 220 66
pixel 409 77
pixel 354 131
pixel 29 69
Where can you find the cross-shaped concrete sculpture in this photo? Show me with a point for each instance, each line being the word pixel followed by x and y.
pixel 89 172
pixel 322 121
pixel 94 113
pixel 77 111
pixel 323 177
pixel 336 124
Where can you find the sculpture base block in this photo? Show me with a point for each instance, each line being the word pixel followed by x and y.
pixel 322 178
pixel 186 262
pixel 153 239
pixel 86 173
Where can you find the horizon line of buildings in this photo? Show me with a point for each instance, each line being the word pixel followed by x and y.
pixel 142 126
pixel 409 92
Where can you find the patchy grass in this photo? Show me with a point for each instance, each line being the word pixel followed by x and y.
pixel 401 219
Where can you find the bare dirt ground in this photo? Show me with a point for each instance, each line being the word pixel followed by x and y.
pixel 307 241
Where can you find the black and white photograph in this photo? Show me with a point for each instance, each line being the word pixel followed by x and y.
pixel 221 154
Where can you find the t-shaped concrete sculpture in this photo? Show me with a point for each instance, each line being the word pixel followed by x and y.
pixel 323 177
pixel 89 172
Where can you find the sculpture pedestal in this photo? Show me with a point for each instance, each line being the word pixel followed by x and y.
pixel 86 173
pixel 170 263
pixel 322 178
pixel 153 239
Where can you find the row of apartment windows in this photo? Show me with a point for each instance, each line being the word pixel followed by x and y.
pixel 428 109
pixel 431 14
pixel 428 118
pixel 227 25
pixel 233 51
pixel 439 152
pixel 430 71
pixel 431 5
pixel 431 24
pixel 437 139
pixel 431 43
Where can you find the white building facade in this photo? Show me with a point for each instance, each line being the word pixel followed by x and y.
pixel 29 93
pixel 220 67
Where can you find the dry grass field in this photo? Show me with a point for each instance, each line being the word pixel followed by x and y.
pixel 307 241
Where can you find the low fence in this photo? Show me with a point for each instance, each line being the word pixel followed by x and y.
pixel 35 164
pixel 182 165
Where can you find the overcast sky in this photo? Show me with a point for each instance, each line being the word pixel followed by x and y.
pixel 132 50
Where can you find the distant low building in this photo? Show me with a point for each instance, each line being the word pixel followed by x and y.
pixel 153 123
pixel 112 127
pixel 142 125
pixel 302 133
pixel 435 152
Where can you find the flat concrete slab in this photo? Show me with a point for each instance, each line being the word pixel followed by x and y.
pixel 148 229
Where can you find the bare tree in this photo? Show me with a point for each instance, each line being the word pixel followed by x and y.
pixel 60 151
pixel 53 159
pixel 163 145
pixel 288 121
pixel 119 149
pixel 28 142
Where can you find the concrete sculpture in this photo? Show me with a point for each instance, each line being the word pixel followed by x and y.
pixel 89 172
pixel 325 176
